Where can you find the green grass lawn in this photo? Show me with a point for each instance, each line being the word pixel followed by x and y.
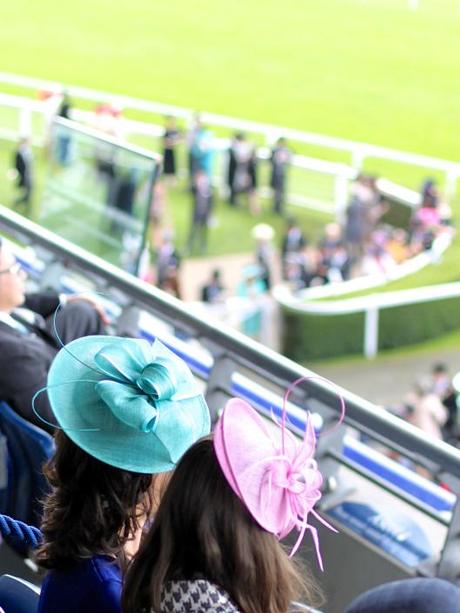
pixel 445 344
pixel 369 70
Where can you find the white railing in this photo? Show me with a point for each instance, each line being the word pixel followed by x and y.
pixel 370 305
pixel 340 174
pixel 358 151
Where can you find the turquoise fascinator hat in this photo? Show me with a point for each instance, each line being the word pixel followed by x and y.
pixel 126 402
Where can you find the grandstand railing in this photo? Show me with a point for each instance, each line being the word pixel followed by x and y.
pixel 229 363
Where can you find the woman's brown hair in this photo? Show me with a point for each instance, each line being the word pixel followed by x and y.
pixel 202 530
pixel 93 508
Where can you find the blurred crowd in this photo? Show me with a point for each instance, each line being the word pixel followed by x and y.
pixel 364 244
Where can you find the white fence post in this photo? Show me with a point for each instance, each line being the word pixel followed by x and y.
pixel 357 158
pixel 25 122
pixel 451 183
pixel 340 197
pixel 371 332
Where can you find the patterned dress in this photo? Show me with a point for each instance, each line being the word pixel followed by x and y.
pixel 195 597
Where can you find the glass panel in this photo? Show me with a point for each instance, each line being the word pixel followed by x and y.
pixel 98 193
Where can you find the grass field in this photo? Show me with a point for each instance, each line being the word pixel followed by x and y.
pixel 370 70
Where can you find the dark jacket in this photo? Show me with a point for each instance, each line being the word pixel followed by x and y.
pixel 25 361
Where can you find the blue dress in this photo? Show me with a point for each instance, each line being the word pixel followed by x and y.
pixel 91 586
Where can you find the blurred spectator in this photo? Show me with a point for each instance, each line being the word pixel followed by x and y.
pixel 442 387
pixel 64 140
pixel 231 169
pixel 124 190
pixel 171 282
pixel 65 107
pixel 213 292
pixel 431 220
pixel 363 213
pixel 355 227
pixel 428 215
pixel 263 234
pixel 168 263
pixel 300 269
pixel 376 259
pixel 253 288
pixel 397 245
pixel 202 203
pixel 157 212
pixel 293 243
pixel 23 164
pixel 429 195
pixel 201 150
pixel 242 171
pixel 364 188
pixel 171 138
pixel 426 410
pixel 334 257
pixel 280 160
pixel 442 382
pixel 195 126
pixel 109 119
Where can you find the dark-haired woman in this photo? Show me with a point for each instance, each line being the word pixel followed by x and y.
pixel 92 522
pixel 127 411
pixel 214 543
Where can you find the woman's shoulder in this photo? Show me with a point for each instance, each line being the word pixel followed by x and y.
pixel 196 596
pixel 90 585
pixel 105 569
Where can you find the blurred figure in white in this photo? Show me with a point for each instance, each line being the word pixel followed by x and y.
pixel 426 411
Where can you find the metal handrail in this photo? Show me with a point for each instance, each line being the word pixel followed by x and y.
pixel 226 343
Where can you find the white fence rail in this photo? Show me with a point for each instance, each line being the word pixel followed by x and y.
pixel 358 151
pixel 370 305
pixel 24 124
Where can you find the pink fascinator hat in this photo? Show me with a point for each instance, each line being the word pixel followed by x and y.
pixel 273 473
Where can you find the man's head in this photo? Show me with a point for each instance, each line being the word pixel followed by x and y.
pixel 12 281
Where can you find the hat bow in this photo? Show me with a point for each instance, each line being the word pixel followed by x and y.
pixel 142 383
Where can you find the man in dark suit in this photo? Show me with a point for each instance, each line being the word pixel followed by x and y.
pixel 23 166
pixel 28 343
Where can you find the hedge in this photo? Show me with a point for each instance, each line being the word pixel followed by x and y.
pixel 309 336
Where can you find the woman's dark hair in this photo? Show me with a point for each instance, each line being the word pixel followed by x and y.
pixel 93 508
pixel 202 530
